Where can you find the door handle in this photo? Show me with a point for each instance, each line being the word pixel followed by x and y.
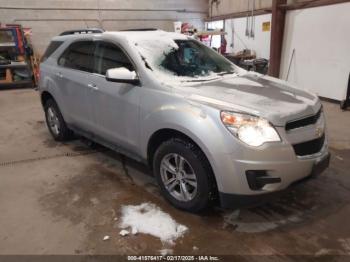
pixel 93 86
pixel 59 74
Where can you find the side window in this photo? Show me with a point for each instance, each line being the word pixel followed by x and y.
pixel 79 56
pixel 108 56
pixel 51 49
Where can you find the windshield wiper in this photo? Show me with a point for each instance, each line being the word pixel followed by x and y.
pixel 200 80
pixel 226 73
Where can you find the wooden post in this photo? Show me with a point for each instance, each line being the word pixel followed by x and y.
pixel 277 31
pixel 8 77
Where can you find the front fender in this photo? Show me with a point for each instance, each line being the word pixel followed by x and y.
pixel 200 123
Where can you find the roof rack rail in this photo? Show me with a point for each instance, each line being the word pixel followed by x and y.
pixel 83 31
pixel 140 29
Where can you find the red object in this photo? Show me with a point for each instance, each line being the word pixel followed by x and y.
pixel 18 37
pixel 20 40
pixel 223 45
pixel 185 27
pixel 37 75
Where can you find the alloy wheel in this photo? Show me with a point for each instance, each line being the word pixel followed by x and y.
pixel 178 177
pixel 53 121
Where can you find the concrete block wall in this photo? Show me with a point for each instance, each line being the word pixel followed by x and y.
pixel 51 17
pixel 219 8
pixel 225 7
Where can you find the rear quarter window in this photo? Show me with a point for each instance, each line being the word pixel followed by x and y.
pixel 51 49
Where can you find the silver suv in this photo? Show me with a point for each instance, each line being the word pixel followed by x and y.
pixel 209 130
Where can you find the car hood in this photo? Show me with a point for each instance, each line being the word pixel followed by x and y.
pixel 268 97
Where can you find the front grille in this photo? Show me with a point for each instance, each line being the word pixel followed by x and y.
pixel 309 147
pixel 304 122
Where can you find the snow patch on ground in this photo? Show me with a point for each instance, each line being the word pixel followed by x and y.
pixel 124 233
pixel 147 218
pixel 106 238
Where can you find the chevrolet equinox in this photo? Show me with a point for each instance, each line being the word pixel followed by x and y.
pixel 208 129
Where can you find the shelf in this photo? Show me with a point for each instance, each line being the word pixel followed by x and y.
pixel 17 84
pixel 14 65
pixel 8 44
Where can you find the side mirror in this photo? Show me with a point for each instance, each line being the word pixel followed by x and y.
pixel 122 75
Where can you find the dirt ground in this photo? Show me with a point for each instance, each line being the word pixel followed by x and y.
pixel 63 198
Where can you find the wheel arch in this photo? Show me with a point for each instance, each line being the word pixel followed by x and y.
pixel 160 136
pixel 45 96
pixel 164 134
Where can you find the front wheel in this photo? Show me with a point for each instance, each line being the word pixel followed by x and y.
pixel 184 175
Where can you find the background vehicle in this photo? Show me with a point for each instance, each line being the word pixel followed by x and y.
pixel 209 129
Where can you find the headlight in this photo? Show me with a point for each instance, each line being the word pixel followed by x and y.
pixel 252 130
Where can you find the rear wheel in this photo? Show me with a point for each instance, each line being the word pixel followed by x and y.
pixel 55 122
pixel 184 175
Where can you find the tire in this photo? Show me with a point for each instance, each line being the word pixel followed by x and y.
pixel 193 162
pixel 55 122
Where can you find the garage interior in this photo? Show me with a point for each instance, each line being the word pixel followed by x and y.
pixel 66 198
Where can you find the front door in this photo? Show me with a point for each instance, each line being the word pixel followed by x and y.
pixel 115 105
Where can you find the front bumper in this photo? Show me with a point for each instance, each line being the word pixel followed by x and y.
pixel 240 200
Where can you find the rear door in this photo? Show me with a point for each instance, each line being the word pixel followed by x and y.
pixel 115 105
pixel 74 72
